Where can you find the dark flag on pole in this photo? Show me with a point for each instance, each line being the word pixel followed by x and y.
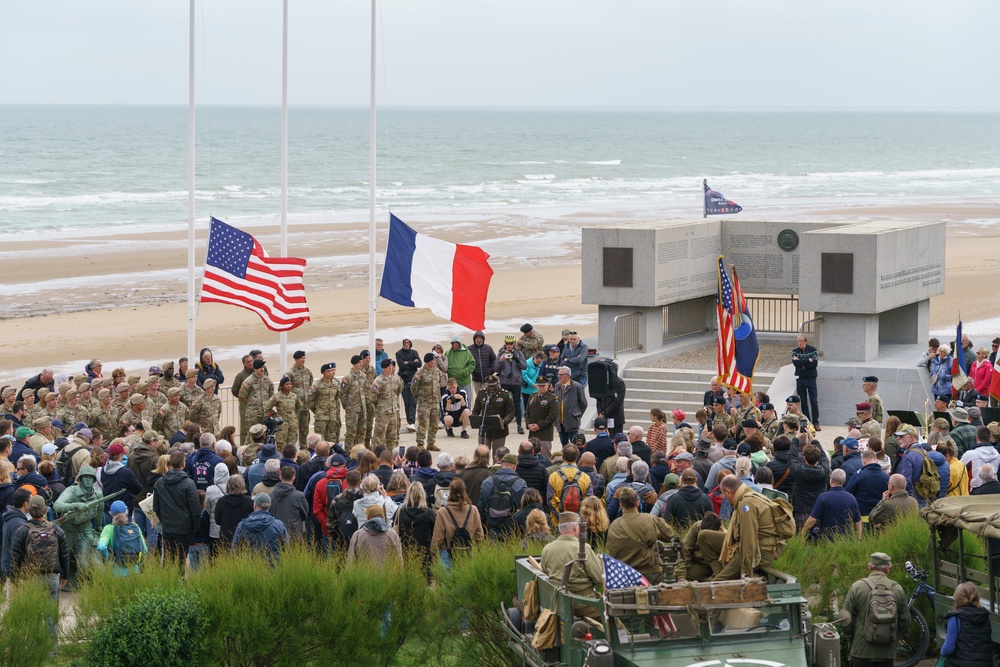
pixel 717 204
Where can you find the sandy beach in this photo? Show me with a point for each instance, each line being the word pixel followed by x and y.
pixel 120 296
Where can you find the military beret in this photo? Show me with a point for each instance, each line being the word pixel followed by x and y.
pixel 284 380
pixel 42 393
pixel 870 378
pixel 136 399
pixel 327 367
pixel 525 328
pixel 167 366
pixel 122 386
pixel 365 354
pixel 133 379
pixel 258 363
pixel 103 394
pixel 879 558
pixel 42 422
pixel 429 357
pixel 141 387
pixel 192 373
pixel 173 391
pixel 207 384
pixel 387 362
pixel 718 400
pixel 71 394
pixel 571 517
pixel 863 407
pixel 356 359
pixel 84 386
pixel 299 354
pixel 767 406
pixel 750 423
pixel 52 396
pixel 64 387
pixel 8 392
pixel 793 399
pixel 27 393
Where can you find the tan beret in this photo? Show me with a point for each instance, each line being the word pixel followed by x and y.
pixel 192 373
pixel 83 387
pixel 42 422
pixel 51 397
pixel 173 391
pixel 71 394
pixel 42 392
pixel 137 399
pixel 141 387
pixel 133 379
pixel 103 394
pixel 167 366
pixel 8 392
pixel 64 387
pixel 122 386
pixel 79 379
pixel 208 384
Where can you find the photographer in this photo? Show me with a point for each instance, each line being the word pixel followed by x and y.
pixel 455 408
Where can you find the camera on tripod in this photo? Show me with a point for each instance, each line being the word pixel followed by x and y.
pixel 271 423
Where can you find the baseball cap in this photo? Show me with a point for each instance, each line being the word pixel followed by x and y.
pixel 85 433
pixel 262 500
pixel 116 450
pixel 48 449
pixel 907 429
pixel 850 443
pixel 23 432
pixel 37 503
pixel 337 460
pixel 119 507
pixel 600 422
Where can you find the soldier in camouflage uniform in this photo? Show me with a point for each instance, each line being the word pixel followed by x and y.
pixel 50 409
pixel 105 418
pixel 255 393
pixel 426 388
pixel 531 342
pixel 325 403
pixel 73 412
pixel 78 520
pixel 169 379
pixel 88 401
pixel 719 416
pixel 136 413
pixel 155 398
pixel 743 410
pixel 42 436
pixel 120 401
pixel 61 393
pixel 366 368
pixel 246 372
pixel 386 391
pixel 171 416
pixel 190 391
pixel 9 395
pixel 207 410
pixel 32 409
pixel 354 397
pixel 286 405
pixel 302 380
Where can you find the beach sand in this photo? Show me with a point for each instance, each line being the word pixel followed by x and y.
pixel 122 296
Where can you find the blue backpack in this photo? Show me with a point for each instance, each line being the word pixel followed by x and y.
pixel 127 545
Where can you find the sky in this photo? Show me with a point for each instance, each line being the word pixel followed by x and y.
pixel 892 54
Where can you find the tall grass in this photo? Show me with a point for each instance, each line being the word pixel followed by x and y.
pixel 26 638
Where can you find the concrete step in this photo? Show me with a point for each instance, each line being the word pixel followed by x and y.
pixel 651 373
pixel 634 384
pixel 664 393
pixel 648 404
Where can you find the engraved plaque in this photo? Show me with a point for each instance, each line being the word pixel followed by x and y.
pixel 837 273
pixel 618 267
pixel 788 240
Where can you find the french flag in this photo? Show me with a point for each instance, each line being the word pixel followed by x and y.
pixel 450 279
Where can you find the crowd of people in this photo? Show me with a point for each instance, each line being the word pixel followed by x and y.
pixel 134 465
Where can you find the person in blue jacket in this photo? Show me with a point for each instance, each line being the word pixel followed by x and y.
pixel 261 532
pixel 869 483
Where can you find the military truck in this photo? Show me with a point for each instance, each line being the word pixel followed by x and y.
pixel 759 622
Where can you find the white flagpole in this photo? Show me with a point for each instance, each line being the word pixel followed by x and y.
pixel 283 336
pixel 191 306
pixel 371 197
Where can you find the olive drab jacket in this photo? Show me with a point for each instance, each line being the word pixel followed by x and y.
pixel 856 603
pixel 751 540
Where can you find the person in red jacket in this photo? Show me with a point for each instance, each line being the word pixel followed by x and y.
pixel 336 474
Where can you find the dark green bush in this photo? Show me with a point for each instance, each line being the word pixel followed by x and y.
pixel 158 627
pixel 26 637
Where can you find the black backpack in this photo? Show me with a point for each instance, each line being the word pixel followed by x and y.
pixel 65 464
pixel 499 515
pixel 461 539
pixel 345 524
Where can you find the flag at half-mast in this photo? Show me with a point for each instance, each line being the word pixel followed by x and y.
pixel 717 204
pixel 738 349
pixel 239 272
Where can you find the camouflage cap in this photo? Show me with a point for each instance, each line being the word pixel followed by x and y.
pixel 257 431
pixel 854 422
pixel 908 429
pixel 192 373
pixel 790 419
pixel 879 558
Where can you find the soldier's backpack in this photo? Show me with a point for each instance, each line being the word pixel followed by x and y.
pixel 499 516
pixel 571 495
pixel 127 544
pixel 41 548
pixel 784 517
pixel 880 626
pixel 461 539
pixel 929 483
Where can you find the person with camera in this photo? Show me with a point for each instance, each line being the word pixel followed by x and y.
pixel 455 408
pixel 509 364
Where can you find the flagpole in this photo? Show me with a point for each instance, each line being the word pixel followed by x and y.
pixel 704 204
pixel 191 306
pixel 371 198
pixel 283 336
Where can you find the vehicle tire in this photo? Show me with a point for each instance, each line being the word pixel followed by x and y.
pixel 923 638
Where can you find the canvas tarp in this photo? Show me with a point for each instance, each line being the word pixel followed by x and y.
pixel 977 514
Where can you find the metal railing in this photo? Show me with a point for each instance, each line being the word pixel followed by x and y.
pixel 777 314
pixel 627 332
pixel 230 415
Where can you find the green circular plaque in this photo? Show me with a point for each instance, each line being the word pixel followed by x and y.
pixel 788 240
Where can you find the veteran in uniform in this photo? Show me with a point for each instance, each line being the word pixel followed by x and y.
pixel 751 541
pixel 105 418
pixel 584 577
pixel 171 416
pixel 207 410
pixel 366 368
pixel 493 400
pixel 73 412
pixel 869 384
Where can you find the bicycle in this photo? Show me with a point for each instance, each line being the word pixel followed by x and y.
pixel 925 589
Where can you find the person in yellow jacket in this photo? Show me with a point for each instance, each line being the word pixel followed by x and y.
pixel 566 475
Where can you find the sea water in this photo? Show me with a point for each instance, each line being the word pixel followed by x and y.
pixel 93 168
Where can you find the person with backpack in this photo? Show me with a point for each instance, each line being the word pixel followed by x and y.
pixel 757 531
pixel 633 536
pixel 437 487
pixel 878 612
pixel 458 525
pixel 122 541
pixel 568 485
pixel 923 482
pixel 40 549
pixel 326 490
pixel 341 522
pixel 414 522
pixel 500 496
pixel 14 516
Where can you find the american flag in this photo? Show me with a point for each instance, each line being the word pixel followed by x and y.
pixel 620 575
pixel 729 319
pixel 239 272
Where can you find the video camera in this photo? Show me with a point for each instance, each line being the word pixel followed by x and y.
pixel 271 423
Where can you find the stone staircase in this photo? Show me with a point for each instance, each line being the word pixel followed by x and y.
pixel 668 389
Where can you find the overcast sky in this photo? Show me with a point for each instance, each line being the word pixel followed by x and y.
pixel 897 54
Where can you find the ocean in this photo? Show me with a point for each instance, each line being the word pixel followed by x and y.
pixel 90 168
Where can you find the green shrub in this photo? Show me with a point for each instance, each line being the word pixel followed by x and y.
pixel 26 637
pixel 163 628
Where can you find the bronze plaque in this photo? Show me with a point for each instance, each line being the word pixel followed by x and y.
pixel 837 273
pixel 618 267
